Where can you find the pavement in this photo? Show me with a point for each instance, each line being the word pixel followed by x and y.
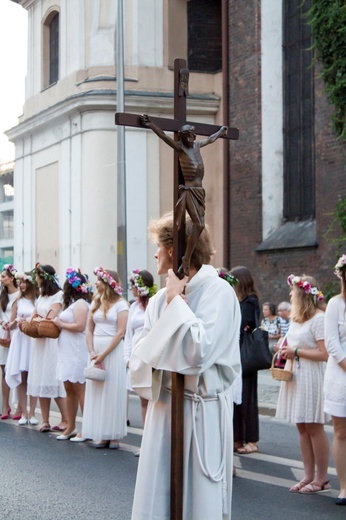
pixel 268 393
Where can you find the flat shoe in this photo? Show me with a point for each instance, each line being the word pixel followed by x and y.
pixel 33 421
pixel 248 448
pixel 113 445
pixel 57 429
pixel 66 437
pixel 16 417
pixel 45 428
pixel 340 501
pixel 315 488
pixel 99 445
pixel 78 439
pixel 22 421
pixel 297 487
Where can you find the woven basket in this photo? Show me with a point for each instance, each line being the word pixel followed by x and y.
pixel 48 329
pixel 30 328
pixel 5 342
pixel 280 374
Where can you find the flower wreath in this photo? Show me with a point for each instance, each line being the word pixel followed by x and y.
pixel 307 287
pixel 39 271
pixel 76 282
pixel 10 269
pixel 25 277
pixel 228 277
pixel 138 282
pixel 340 266
pixel 105 277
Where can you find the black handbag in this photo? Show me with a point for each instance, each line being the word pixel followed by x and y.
pixel 254 351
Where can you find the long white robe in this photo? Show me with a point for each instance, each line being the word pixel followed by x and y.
pixel 199 339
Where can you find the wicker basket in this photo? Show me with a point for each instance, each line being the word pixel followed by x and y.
pixel 280 374
pixel 30 328
pixel 48 329
pixel 5 342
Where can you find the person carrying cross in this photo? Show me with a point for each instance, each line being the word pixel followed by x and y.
pixel 191 193
pixel 195 334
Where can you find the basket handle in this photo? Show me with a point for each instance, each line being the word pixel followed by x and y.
pixel 273 359
pixel 47 317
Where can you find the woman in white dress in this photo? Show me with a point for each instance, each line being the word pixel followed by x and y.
pixel 17 366
pixel 104 418
pixel 335 376
pixel 42 379
pixel 9 293
pixel 142 288
pixel 73 350
pixel 301 399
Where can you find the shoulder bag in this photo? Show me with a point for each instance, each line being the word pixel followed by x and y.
pixel 254 351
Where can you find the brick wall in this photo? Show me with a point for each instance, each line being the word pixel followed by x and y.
pixel 270 270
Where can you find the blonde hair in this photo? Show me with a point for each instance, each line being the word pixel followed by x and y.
pixel 161 232
pixel 304 305
pixel 107 297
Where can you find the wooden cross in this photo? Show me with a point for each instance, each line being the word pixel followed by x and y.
pixel 181 78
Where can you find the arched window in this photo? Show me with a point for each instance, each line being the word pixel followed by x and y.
pixel 50 49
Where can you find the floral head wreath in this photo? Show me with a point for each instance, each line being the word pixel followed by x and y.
pixel 225 275
pixel 25 277
pixel 307 287
pixel 74 280
pixel 39 271
pixel 340 266
pixel 10 269
pixel 105 277
pixel 138 282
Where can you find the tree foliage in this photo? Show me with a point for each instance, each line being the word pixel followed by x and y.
pixel 327 19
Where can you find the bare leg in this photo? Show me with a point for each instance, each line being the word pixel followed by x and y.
pixel 320 446
pixel 33 403
pixel 80 393
pixel 61 402
pixel 5 393
pixel 307 453
pixel 45 407
pixel 22 397
pixel 339 452
pixel 71 407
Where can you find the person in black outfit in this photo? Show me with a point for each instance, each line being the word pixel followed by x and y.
pixel 245 420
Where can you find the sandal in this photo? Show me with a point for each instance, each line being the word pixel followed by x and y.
pixel 45 427
pixel 315 488
pixel 297 487
pixel 248 448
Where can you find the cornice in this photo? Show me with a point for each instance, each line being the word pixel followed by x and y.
pixel 105 100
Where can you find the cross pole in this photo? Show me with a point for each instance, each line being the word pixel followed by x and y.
pixel 181 77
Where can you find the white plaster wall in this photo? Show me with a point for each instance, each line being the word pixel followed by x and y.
pixel 272 115
pixel 101 41
pixel 147 33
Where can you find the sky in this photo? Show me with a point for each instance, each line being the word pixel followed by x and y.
pixel 13 58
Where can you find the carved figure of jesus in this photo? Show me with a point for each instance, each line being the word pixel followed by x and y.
pixel 191 193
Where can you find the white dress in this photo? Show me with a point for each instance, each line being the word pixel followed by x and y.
pixel 19 352
pixel 135 324
pixel 6 316
pixel 335 376
pixel 199 339
pixel 73 351
pixel 104 416
pixel 42 380
pixel 301 399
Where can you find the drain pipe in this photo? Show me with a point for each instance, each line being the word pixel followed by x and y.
pixel 226 143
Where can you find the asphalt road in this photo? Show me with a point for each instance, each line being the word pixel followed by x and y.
pixel 44 479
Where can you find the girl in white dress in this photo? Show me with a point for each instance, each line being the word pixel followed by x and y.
pixel 301 399
pixel 17 366
pixel 73 350
pixel 335 376
pixel 9 293
pixel 104 418
pixel 142 288
pixel 42 380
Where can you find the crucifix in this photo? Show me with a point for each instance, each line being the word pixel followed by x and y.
pixel 181 251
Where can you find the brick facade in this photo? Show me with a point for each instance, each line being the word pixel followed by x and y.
pixel 270 269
